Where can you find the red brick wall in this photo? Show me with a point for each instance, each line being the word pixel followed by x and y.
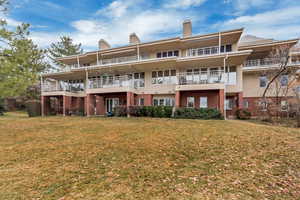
pixel 212 98
pixel 147 99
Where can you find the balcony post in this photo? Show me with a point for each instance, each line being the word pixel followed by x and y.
pixel 138 52
pixel 220 42
pixel 78 63
pixel 97 58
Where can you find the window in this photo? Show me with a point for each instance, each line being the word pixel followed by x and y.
pixel 228 48
pixel 165 54
pixel 263 81
pixel 284 80
pixel 245 104
pixel 164 77
pixel 190 102
pixel 229 104
pixel 176 53
pixel 263 105
pixel 141 101
pixel 203 102
pixel 163 101
pixel 284 105
pixel 231 75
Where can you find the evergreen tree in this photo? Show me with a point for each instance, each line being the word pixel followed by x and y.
pixel 64 47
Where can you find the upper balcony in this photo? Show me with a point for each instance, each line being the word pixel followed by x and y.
pixel 260 64
pixel 59 87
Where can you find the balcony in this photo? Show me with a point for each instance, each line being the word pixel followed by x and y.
pixel 201 80
pixel 191 78
pixel 266 62
pixel 62 86
pixel 115 83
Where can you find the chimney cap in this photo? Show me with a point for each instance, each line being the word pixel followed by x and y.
pixel 187 21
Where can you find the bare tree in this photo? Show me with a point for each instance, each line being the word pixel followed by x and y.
pixel 280 79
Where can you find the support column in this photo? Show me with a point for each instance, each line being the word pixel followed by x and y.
pixel 240 100
pixel 177 99
pixel 45 105
pixel 221 101
pixel 88 104
pixel 66 105
pixel 130 99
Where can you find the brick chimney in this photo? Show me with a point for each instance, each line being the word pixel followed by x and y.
pixel 134 39
pixel 187 29
pixel 103 44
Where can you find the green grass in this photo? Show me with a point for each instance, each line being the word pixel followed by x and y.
pixel 143 158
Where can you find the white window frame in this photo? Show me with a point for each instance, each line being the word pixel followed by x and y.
pixel 142 98
pixel 261 80
pixel 187 102
pixel 286 105
pixel 229 104
pixel 164 100
pixel 245 104
pixel 165 80
pixel 201 100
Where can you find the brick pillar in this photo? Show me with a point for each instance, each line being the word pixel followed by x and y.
pixel 221 101
pixel 88 105
pixel 240 99
pixel 129 101
pixel 100 106
pixel 177 99
pixel 45 105
pixel 67 101
pixel 148 99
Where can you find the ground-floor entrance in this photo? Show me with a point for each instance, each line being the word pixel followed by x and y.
pixel 111 103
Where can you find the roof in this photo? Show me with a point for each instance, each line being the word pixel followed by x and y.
pixel 254 40
pixel 168 40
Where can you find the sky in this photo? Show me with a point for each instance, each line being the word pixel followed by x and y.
pixel 88 21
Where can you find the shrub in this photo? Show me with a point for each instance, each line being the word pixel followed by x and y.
pixel 243 114
pixel 150 111
pixel 195 113
pixel 120 111
pixel 33 108
pixel 2 107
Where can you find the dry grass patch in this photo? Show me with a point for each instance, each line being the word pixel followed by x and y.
pixel 143 158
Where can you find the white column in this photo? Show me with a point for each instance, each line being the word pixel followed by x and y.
pixel 86 79
pixel 220 42
pixel 97 58
pixel 42 85
pixel 78 63
pixel 225 87
pixel 138 51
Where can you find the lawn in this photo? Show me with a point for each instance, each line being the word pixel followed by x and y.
pixel 143 158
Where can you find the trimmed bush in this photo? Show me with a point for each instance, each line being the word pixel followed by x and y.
pixel 33 108
pixel 2 107
pixel 120 111
pixel 150 111
pixel 198 113
pixel 243 114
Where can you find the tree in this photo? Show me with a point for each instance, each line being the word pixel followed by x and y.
pixel 64 47
pixel 21 61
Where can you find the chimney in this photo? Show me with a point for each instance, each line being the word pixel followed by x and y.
pixel 187 28
pixel 134 39
pixel 103 44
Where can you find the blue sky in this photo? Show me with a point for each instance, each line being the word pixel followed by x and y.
pixel 87 21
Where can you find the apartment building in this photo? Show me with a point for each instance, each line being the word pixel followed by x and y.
pixel 218 70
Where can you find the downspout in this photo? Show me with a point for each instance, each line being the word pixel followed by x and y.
pixel 225 58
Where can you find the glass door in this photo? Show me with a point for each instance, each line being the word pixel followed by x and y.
pixel 111 103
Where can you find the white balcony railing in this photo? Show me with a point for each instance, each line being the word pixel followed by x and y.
pixel 189 78
pixel 57 86
pixel 115 82
pixel 261 62
pixel 203 51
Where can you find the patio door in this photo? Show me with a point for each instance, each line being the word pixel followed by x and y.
pixel 111 103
